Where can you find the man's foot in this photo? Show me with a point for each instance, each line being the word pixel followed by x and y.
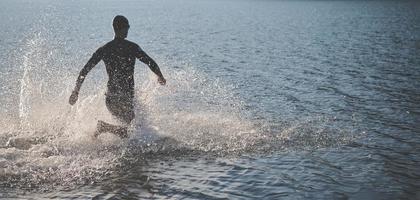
pixel 122 132
pixel 105 127
pixel 100 128
pixel 96 134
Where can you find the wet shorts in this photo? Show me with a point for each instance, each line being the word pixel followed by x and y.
pixel 121 106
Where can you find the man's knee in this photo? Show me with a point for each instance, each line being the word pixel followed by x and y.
pixel 122 108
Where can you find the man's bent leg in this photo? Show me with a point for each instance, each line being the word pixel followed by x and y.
pixel 103 127
pixel 122 108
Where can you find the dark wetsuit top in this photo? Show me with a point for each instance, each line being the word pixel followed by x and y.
pixel 119 56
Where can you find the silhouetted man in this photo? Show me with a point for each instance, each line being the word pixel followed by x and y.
pixel 119 56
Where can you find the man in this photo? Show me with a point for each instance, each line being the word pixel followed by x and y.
pixel 119 56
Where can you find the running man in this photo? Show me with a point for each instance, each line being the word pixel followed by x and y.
pixel 119 56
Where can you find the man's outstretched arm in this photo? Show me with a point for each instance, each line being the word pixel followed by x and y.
pixel 146 59
pixel 96 57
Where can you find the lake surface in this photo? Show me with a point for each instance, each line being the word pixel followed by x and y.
pixel 264 100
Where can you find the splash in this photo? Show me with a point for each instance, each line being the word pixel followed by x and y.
pixel 53 146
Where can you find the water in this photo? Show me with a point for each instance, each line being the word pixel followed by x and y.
pixel 265 99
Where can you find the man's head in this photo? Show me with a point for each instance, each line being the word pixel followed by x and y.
pixel 121 26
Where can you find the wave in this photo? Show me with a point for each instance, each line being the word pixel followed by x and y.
pixel 49 144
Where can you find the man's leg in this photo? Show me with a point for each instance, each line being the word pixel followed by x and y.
pixel 123 109
pixel 103 127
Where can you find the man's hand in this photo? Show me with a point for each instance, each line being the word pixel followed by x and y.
pixel 73 97
pixel 161 80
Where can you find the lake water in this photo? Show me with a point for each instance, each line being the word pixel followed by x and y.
pixel 264 100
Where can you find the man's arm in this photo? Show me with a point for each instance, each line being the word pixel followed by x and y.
pixel 146 59
pixel 96 57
